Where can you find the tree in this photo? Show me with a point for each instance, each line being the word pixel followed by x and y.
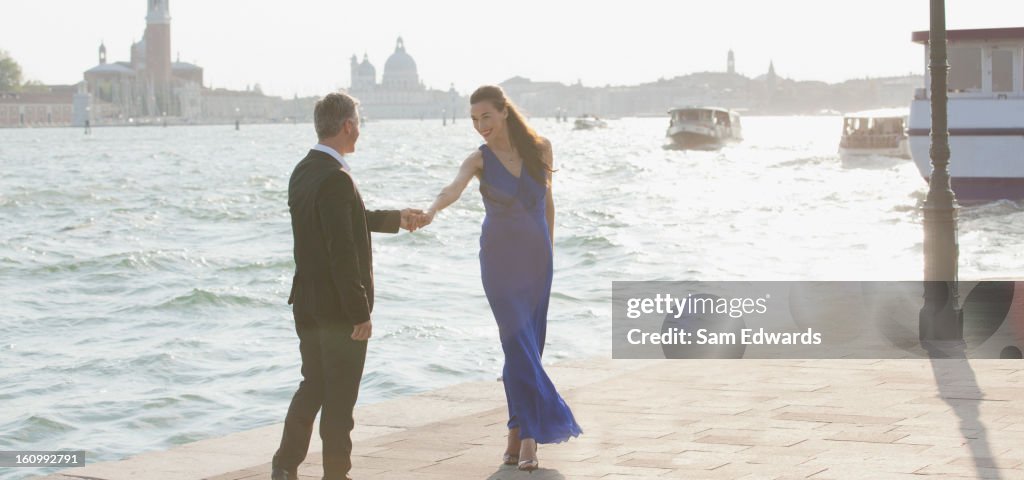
pixel 33 86
pixel 10 72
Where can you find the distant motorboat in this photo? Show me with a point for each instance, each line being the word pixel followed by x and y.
pixel 703 127
pixel 875 133
pixel 588 122
pixel 985 113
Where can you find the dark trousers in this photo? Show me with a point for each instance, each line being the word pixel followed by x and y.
pixel 332 366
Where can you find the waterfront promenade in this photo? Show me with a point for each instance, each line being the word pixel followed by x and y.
pixel 673 419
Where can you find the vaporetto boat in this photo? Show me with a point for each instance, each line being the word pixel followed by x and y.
pixel 703 127
pixel 986 114
pixel 875 133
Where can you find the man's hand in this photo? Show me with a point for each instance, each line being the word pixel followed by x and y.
pixel 362 331
pixel 410 219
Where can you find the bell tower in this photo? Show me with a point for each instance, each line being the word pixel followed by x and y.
pixel 158 56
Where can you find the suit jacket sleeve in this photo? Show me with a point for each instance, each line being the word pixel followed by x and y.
pixel 335 201
pixel 383 221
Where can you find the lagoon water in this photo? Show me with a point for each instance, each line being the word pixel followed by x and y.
pixel 145 270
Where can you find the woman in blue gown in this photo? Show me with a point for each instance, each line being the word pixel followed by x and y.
pixel 514 167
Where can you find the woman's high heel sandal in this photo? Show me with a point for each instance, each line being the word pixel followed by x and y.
pixel 509 458
pixel 529 465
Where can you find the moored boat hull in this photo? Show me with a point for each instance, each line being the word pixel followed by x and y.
pixel 986 144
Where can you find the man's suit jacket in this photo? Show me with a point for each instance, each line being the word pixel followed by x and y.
pixel 331 227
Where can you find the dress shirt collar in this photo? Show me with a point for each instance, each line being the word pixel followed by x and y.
pixel 334 154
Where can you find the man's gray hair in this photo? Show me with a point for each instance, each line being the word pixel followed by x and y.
pixel 331 112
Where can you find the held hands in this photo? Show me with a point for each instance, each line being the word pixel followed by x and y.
pixel 410 219
pixel 415 219
pixel 425 218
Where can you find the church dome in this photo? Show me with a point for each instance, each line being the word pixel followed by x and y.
pixel 366 68
pixel 400 63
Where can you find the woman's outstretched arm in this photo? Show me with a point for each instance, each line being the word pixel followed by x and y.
pixel 471 167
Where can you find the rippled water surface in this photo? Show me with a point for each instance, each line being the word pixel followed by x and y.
pixel 145 270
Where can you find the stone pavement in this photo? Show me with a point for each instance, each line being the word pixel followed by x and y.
pixel 673 419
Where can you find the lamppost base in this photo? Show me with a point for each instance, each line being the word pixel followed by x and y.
pixel 945 348
pixel 940 321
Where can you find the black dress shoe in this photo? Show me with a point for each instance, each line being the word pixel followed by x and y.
pixel 282 474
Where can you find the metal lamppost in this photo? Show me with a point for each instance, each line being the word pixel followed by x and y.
pixel 940 317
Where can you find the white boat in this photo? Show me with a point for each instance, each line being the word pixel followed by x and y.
pixel 587 122
pixel 703 127
pixel 875 133
pixel 986 114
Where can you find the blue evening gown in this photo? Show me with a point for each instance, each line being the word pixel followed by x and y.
pixel 516 269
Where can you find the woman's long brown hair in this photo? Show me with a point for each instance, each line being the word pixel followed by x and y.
pixel 524 139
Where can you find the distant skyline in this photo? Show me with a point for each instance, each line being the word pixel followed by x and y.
pixel 305 47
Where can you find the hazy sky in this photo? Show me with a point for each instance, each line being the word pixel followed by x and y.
pixel 303 46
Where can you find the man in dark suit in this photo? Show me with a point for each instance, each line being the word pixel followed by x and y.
pixel 332 292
